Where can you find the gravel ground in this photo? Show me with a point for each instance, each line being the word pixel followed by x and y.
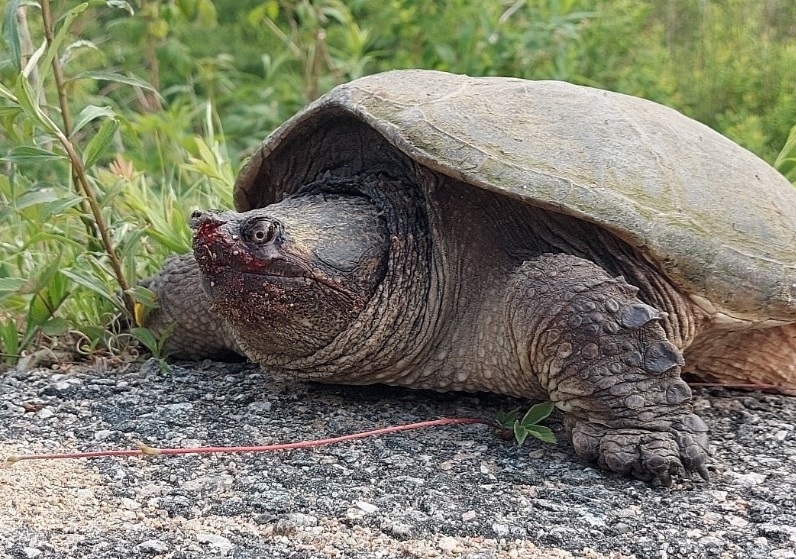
pixel 457 491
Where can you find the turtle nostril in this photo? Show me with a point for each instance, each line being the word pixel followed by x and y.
pixel 210 218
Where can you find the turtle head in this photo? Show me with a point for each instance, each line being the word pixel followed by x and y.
pixel 290 277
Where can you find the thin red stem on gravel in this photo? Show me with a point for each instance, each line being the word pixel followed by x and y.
pixel 145 450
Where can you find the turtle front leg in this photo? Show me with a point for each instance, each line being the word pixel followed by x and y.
pixel 184 313
pixel 603 357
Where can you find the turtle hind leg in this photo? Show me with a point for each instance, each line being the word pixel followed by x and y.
pixel 184 314
pixel 604 359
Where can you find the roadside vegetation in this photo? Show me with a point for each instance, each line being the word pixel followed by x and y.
pixel 118 118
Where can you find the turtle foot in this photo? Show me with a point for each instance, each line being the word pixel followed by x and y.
pixel 603 357
pixel 653 456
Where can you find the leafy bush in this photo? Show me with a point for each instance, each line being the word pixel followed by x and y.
pixel 120 118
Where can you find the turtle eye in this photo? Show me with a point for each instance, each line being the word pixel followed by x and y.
pixel 261 232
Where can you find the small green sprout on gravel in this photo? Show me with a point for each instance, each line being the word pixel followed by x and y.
pixel 529 424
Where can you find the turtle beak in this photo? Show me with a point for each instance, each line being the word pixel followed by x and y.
pixel 203 223
pixel 214 238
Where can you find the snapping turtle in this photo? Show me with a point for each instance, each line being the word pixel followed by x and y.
pixel 536 239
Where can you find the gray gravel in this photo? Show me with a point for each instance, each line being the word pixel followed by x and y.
pixel 457 491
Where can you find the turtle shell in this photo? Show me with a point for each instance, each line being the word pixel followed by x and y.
pixel 713 217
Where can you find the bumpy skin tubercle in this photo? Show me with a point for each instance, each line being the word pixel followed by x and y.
pixel 603 357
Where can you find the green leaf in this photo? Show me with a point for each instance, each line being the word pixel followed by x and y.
pixel 30 154
pixel 543 433
pixel 130 246
pixel 46 275
pixel 528 425
pixel 57 197
pixel 10 285
pixel 35 197
pixel 9 338
pixel 56 326
pixel 537 413
pixel 59 206
pixel 84 279
pixel 33 61
pixel 520 433
pixel 26 99
pixel 91 112
pixel 75 48
pixel 120 4
pixel 42 307
pixel 114 77
pixel 147 338
pixel 187 8
pixel 100 143
pixel 55 46
pixel 11 34
pixel 206 13
pixel 8 94
pixel 141 294
pixel 507 419
pixel 786 160
pixel 272 9
pixel 24 95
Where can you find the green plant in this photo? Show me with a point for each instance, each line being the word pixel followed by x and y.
pixel 84 224
pixel 786 160
pixel 31 124
pixel 528 424
pixel 148 107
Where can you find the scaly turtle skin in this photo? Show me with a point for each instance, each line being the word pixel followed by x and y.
pixel 537 239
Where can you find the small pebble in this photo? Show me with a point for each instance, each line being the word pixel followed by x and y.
pixel 130 504
pixel 155 546
pixel 366 507
pixel 622 528
pixel 220 543
pixel 302 520
pixel 45 413
pixel 750 478
pixel 447 543
pixel 260 406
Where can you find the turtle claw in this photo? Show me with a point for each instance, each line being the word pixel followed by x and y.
pixel 654 456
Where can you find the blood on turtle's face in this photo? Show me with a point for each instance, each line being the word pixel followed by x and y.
pixel 290 277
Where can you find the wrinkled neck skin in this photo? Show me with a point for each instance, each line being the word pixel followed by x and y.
pixel 363 301
pixel 391 331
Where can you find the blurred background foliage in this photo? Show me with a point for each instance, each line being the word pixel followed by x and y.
pixel 176 93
